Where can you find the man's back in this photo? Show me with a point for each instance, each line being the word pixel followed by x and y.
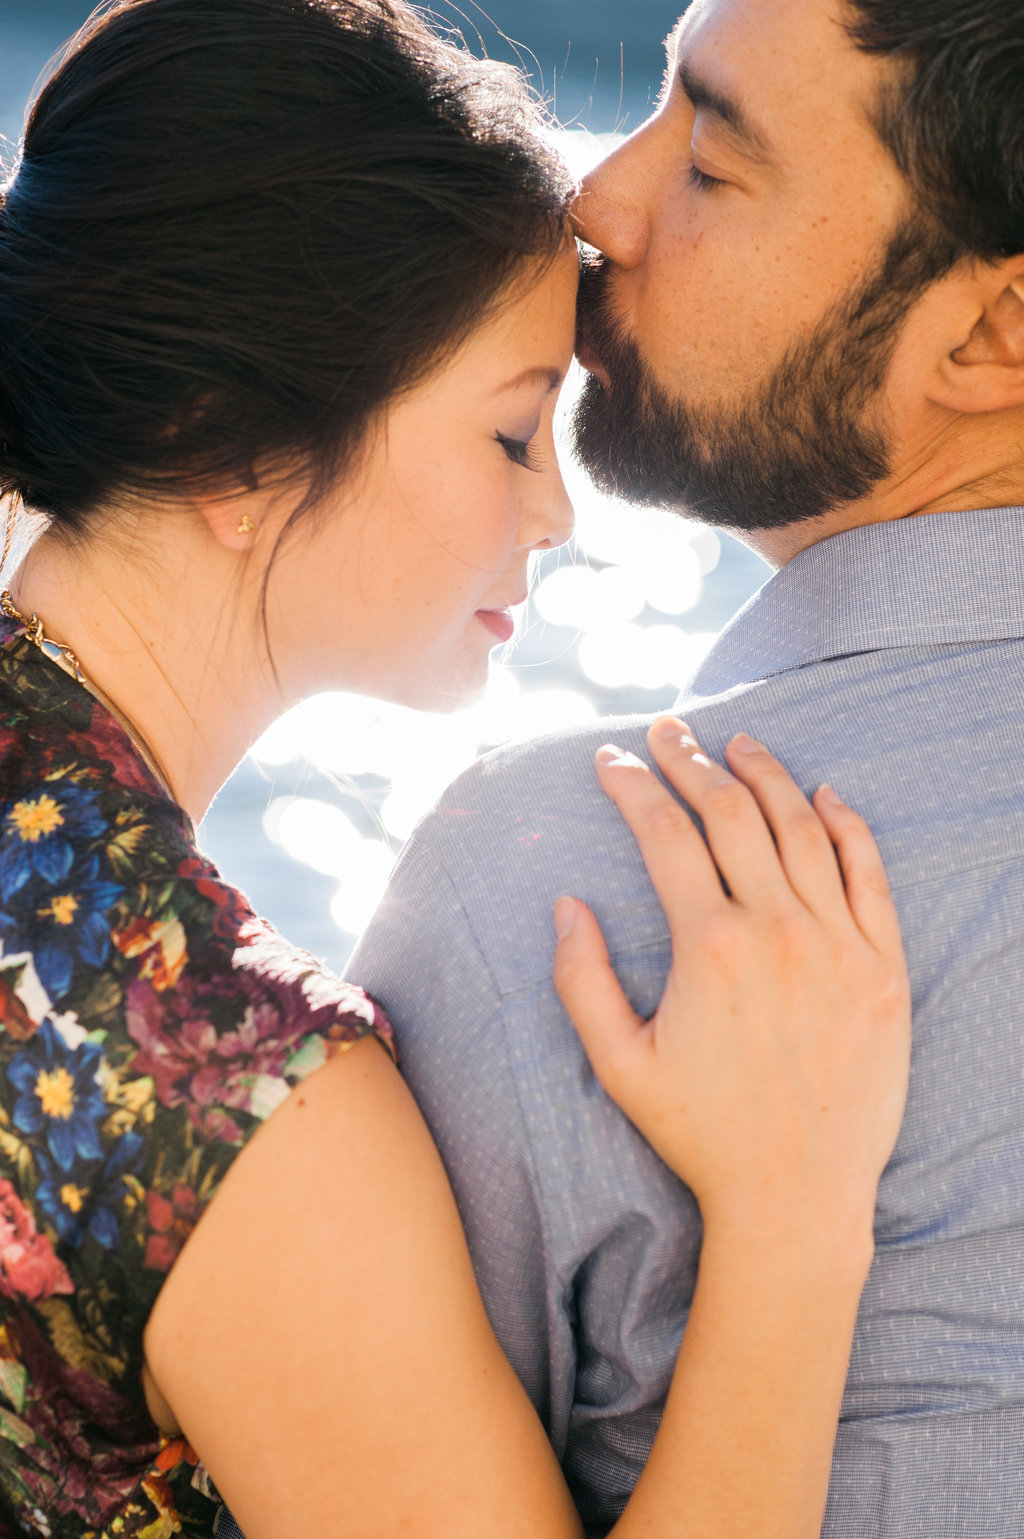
pixel 889 662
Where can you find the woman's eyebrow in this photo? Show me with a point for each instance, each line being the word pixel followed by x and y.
pixel 542 374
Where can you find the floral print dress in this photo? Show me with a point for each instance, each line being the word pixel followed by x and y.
pixel 150 1024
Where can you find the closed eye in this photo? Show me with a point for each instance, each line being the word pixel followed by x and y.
pixel 702 180
pixel 520 452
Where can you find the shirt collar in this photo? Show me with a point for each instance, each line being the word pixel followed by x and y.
pixel 940 577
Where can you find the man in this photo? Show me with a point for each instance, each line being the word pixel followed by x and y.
pixel 807 326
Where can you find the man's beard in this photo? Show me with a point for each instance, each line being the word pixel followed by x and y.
pixel 806 442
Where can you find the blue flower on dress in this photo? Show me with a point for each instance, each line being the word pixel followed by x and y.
pixel 59 1096
pixel 39 835
pixel 62 922
pixel 85 1201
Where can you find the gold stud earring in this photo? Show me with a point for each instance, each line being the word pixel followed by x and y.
pixel 245 525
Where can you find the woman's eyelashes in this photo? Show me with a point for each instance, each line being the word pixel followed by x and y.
pixel 520 451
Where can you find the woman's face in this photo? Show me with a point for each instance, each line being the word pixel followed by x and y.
pixel 403 585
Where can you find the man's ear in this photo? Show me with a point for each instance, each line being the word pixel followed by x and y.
pixel 986 372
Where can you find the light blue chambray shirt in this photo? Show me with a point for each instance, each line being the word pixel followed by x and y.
pixel 889 661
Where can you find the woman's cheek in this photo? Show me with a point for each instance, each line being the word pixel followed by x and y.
pixel 488 525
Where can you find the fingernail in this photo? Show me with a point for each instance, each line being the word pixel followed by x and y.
pixel 744 743
pixel 609 754
pixel 830 797
pixel 565 918
pixel 670 729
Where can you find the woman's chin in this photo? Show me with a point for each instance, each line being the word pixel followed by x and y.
pixel 447 700
pixel 442 692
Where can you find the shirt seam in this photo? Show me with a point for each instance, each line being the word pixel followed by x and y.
pixel 641 948
pixel 816 659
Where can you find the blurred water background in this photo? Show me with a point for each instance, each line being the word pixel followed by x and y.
pixel 310 823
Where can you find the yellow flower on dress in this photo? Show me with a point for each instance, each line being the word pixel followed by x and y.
pixel 36 819
pixel 72 1197
pixel 56 1092
pixel 62 909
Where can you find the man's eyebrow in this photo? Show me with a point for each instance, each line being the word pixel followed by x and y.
pixel 542 375
pixel 704 96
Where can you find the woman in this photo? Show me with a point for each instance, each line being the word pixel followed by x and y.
pixel 286 296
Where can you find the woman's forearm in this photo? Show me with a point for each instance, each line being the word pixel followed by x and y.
pixel 745 1445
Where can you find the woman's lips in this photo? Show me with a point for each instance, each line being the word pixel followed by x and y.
pixel 499 622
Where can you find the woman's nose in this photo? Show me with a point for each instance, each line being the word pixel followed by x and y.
pixel 611 209
pixel 550 519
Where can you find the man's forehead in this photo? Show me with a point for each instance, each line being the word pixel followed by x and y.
pixel 769 61
pixel 709 90
pixel 788 17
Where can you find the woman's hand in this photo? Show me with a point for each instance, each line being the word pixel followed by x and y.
pixel 773 1076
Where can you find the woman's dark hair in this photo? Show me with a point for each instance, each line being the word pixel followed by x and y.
pixel 238 228
pixel 952 114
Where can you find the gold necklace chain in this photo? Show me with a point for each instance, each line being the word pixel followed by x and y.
pixel 66 660
pixel 54 650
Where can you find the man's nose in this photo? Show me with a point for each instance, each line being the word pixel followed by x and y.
pixel 611 211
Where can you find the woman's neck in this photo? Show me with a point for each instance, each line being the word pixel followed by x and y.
pixel 173 639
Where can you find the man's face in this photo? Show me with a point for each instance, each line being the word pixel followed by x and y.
pixel 759 256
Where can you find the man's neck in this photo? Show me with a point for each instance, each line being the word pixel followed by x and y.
pixel 975 463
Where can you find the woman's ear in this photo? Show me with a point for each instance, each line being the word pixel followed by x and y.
pixel 234 521
pixel 986 372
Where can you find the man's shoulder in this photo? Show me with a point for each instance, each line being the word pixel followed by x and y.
pixel 526 824
pixel 553 771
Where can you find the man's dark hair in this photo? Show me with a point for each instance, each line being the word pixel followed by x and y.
pixel 953 116
pixel 238 229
